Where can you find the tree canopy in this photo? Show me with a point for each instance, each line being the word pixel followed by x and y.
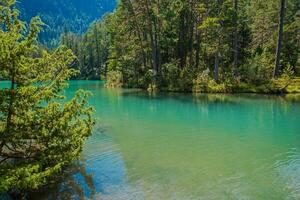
pixel 199 45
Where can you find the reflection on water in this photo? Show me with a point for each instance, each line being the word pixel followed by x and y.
pixel 183 146
pixel 75 184
pixel 100 171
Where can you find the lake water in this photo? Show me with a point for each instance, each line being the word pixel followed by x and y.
pixel 185 147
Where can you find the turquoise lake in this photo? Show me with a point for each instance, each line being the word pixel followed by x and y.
pixel 185 147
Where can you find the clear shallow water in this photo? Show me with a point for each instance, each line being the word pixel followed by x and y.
pixel 180 146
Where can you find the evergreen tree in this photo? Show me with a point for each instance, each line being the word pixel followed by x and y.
pixel 39 134
pixel 91 49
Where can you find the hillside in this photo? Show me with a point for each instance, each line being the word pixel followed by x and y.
pixel 61 15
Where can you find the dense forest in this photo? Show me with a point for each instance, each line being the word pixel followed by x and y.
pixel 62 16
pixel 91 49
pixel 194 45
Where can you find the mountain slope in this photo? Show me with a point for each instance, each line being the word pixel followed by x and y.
pixel 62 15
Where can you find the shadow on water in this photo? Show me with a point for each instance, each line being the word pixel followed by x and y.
pixel 65 187
pixel 69 187
pixel 180 97
pixel 98 174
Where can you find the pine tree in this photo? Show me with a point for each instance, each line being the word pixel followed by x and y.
pixel 279 42
pixel 39 134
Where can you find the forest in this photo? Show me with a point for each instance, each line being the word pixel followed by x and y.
pixel 194 46
pixel 62 16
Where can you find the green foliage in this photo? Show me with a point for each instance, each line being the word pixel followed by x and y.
pixel 205 84
pixel 39 134
pixel 284 84
pixel 171 74
pixel 186 77
pixel 91 49
pixel 294 87
pixel 257 70
pixel 114 79
pixel 167 43
pixel 281 84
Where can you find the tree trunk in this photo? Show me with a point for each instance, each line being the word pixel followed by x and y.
pixel 197 57
pixel 279 42
pixel 139 32
pixel 158 25
pixel 182 39
pixel 11 102
pixel 216 68
pixel 153 44
pixel 235 40
pixel 190 27
pixel 98 64
pixel 217 53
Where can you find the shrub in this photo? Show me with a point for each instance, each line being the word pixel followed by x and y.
pixel 257 70
pixel 171 75
pixel 205 84
pixel 114 79
pixel 281 84
pixel 152 88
